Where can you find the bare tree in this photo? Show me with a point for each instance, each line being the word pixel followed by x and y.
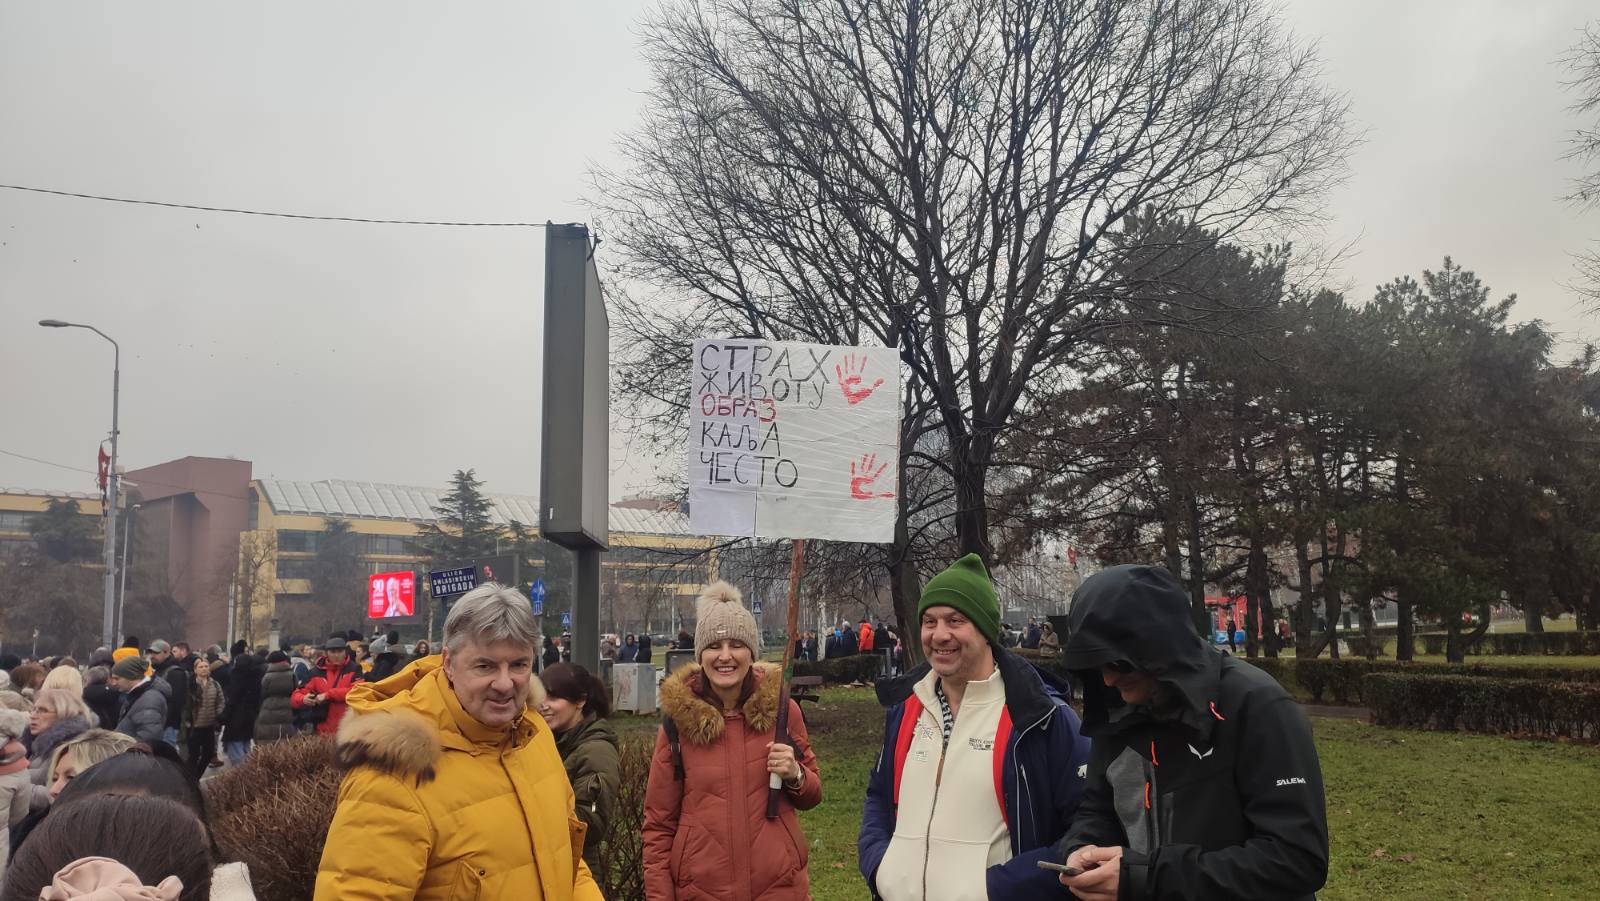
pixel 1583 61
pixel 945 178
pixel 255 584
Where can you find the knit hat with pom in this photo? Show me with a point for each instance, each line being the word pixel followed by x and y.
pixel 719 614
pixel 13 723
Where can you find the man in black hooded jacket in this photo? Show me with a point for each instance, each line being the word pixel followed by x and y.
pixel 1203 781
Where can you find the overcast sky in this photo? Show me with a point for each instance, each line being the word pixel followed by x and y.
pixel 398 353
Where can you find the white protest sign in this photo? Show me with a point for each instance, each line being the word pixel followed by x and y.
pixel 792 440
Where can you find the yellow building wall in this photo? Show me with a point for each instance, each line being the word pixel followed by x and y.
pixel 269 521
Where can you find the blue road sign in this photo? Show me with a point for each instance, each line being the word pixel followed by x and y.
pixel 755 606
pixel 537 593
pixel 566 620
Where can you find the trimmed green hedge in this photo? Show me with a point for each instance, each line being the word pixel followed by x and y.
pixel 1528 707
pixel 1324 679
pixel 1358 645
pixel 1565 644
pixel 842 670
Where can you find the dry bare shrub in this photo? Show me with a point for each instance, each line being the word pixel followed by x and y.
pixel 621 870
pixel 273 813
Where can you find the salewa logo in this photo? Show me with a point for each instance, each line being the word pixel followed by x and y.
pixel 1196 752
pixel 1083 771
pixel 1292 780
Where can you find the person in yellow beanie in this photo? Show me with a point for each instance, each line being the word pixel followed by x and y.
pixel 130 648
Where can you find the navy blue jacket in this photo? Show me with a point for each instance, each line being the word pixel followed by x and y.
pixel 1042 781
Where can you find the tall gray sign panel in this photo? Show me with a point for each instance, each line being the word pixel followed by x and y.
pixel 574 475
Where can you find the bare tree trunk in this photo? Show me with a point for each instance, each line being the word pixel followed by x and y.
pixel 1368 627
pixel 971 465
pixel 1197 568
pixel 1306 610
pixel 1269 614
pixel 1258 601
pixel 1169 544
pixel 1471 639
pixel 1405 640
pixel 1332 603
pixel 1532 606
pixel 905 591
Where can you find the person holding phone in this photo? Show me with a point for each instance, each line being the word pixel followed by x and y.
pixel 1203 781
pixel 982 762
pixel 324 694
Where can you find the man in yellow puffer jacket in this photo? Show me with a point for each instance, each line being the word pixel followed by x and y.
pixel 453 789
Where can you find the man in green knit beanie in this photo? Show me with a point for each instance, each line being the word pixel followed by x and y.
pixel 965 588
pixel 980 752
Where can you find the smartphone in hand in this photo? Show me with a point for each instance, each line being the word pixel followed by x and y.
pixel 1061 868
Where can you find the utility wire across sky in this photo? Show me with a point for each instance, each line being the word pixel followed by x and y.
pixel 218 209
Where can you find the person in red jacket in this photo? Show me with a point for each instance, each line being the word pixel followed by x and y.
pixel 706 832
pixel 325 691
pixel 867 639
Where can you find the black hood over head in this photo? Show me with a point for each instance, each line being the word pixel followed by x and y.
pixel 1141 615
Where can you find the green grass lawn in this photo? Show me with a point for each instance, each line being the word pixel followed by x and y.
pixel 1513 660
pixel 1445 816
pixel 1413 815
pixel 1564 624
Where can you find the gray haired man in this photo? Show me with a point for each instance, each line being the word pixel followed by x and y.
pixel 453 789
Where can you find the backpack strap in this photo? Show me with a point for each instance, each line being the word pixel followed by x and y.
pixel 1002 738
pixel 902 740
pixel 671 729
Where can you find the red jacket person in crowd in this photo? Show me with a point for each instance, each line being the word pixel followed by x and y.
pixel 324 693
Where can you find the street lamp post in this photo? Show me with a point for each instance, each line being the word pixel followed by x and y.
pixel 122 587
pixel 107 624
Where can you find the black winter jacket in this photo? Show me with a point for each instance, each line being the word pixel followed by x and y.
pixel 106 702
pixel 276 719
pixel 243 698
pixel 1216 793
pixel 180 680
pixel 387 664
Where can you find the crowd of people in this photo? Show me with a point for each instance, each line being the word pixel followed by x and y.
pixel 467 775
pixel 182 710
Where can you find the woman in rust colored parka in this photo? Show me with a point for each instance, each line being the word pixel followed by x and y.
pixel 706 832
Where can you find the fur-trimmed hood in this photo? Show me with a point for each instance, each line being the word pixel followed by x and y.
pixel 403 724
pixel 57 732
pixel 701 722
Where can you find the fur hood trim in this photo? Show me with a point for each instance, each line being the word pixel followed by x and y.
pixel 402 725
pixel 701 723
pixel 397 742
pixel 13 723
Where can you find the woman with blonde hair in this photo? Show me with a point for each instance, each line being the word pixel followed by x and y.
pixel 66 677
pixel 58 716
pixel 78 754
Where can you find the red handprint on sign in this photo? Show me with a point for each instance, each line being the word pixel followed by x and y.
pixel 850 375
pixel 862 475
